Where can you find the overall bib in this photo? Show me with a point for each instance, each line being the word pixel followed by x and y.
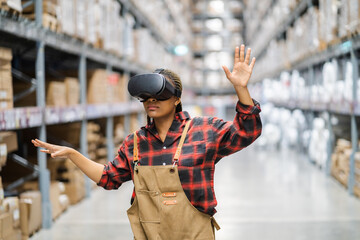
pixel 161 210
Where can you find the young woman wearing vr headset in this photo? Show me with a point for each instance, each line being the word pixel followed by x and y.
pixel 172 159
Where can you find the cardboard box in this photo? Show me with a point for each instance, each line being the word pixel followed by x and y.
pixel 16 235
pixel 55 192
pixel 5 54
pixel 1 192
pixel 30 212
pixel 10 139
pixel 75 192
pixel 97 86
pixel 56 94
pixel 5 66
pixel 6 225
pixel 72 89
pixel 12 206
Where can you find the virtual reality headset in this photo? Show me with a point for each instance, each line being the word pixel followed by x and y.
pixel 152 85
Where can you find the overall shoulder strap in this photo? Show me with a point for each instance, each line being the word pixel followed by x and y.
pixel 135 151
pixel 182 140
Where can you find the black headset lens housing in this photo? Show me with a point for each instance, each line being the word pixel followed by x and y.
pixel 152 85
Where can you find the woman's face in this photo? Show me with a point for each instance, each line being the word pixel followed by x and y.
pixel 160 109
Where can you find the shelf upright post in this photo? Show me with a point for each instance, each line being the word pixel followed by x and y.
pixel 354 130
pixel 127 118
pixel 44 174
pixel 83 132
pixel 110 128
pixel 311 113
pixel 330 143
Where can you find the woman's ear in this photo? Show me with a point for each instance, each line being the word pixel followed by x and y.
pixel 177 101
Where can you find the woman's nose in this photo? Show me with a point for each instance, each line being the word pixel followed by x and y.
pixel 152 100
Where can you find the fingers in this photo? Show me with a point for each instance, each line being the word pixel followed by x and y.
pixel 227 71
pixel 252 63
pixel 39 143
pixel 247 58
pixel 242 51
pixel 237 55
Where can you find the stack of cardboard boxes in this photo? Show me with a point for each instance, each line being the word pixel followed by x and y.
pixel 9 207
pixel 65 171
pixel 59 200
pixel 49 16
pixel 30 213
pixel 104 87
pixel 63 93
pixel 119 136
pixel 8 143
pixel 340 168
pixel 9 217
pixel 6 88
pixel 94 139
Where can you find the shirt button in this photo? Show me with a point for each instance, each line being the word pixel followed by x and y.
pixel 164 147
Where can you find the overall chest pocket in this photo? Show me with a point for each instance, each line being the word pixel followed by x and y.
pixel 193 154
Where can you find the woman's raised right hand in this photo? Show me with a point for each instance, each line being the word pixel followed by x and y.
pixel 53 150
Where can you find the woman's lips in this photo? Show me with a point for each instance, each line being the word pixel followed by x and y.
pixel 152 107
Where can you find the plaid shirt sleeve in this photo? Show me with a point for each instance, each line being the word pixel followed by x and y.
pixel 233 136
pixel 116 172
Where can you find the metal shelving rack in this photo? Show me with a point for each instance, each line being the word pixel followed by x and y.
pixel 352 109
pixel 225 34
pixel 41 116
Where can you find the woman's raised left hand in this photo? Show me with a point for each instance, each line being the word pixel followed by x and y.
pixel 242 70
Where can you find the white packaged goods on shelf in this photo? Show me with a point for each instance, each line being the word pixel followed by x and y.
pixel 318 142
pixel 158 15
pixel 215 59
pixel 80 18
pixel 214 25
pixel 215 7
pixel 66 16
pixel 113 28
pixel 128 35
pixel 214 43
pixel 354 15
pixel 91 21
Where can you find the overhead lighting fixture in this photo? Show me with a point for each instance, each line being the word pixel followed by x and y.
pixel 181 50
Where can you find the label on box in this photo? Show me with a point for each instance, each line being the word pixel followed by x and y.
pixel 3 94
pixel 3 150
pixel 1 194
pixel 16 214
pixel 3 104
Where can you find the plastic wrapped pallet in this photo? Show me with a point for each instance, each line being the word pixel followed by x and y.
pixel 114 28
pixel 354 16
pixel 80 18
pixel 67 16
pixel 91 22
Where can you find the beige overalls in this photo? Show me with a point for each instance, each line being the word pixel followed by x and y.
pixel 161 209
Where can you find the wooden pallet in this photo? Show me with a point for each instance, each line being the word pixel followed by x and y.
pixel 49 21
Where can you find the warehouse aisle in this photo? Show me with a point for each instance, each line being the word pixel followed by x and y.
pixel 262 195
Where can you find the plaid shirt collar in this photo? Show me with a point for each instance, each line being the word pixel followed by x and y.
pixel 175 130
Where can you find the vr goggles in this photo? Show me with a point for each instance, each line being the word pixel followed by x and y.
pixel 152 85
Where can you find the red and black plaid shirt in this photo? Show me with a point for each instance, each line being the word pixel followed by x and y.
pixel 209 139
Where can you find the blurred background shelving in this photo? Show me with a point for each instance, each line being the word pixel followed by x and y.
pixel 64 67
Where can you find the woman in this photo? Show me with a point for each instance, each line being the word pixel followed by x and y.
pixel 172 159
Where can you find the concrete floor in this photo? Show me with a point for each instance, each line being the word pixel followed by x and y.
pixel 261 195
